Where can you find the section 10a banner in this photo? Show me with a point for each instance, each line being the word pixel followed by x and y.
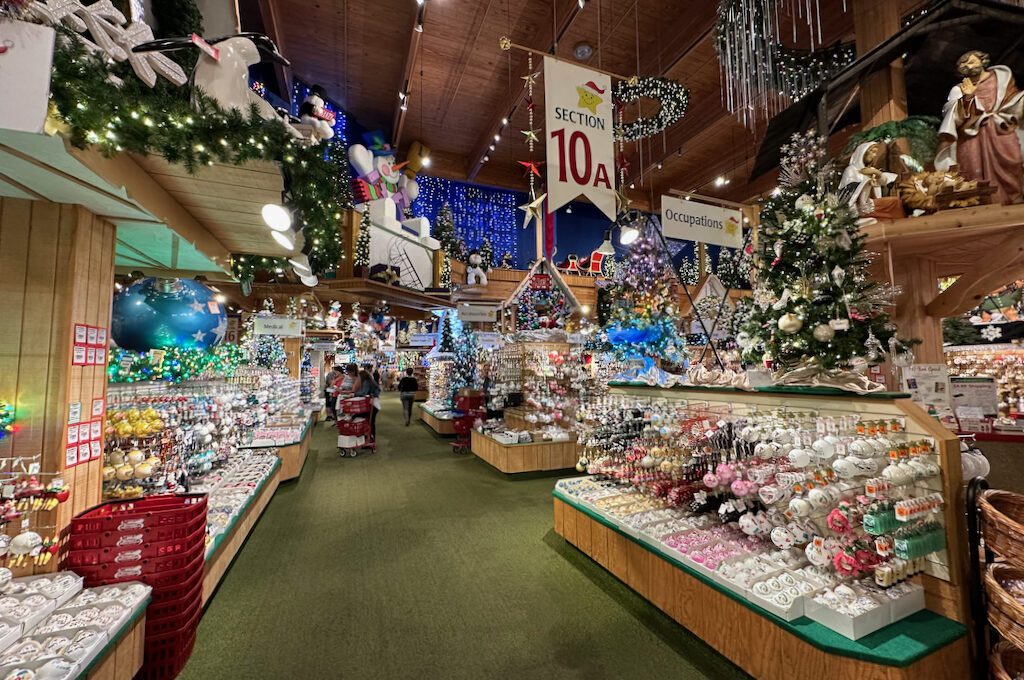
pixel 695 221
pixel 578 129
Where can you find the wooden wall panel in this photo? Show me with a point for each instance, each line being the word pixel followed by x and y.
pixel 56 270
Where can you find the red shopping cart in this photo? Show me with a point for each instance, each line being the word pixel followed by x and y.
pixel 353 425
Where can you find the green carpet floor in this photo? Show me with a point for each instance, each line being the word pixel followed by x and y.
pixel 419 563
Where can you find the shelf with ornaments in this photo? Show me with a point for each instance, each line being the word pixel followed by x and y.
pixel 658 499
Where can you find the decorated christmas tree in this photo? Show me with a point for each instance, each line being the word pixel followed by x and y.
pixel 643 320
pixel 734 267
pixel 815 308
pixel 688 272
pixel 447 342
pixel 464 374
pixel 362 258
pixel 487 255
pixel 444 232
pixel 263 350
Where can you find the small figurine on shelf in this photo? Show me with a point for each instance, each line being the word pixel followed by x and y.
pixel 475 274
pixel 313 112
pixel 333 315
pixel 869 184
pixel 979 135
pixel 506 260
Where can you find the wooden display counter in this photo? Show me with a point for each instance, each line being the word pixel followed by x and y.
pixel 532 457
pixel 924 645
pixel 515 418
pixel 222 551
pixel 122 657
pixel 293 456
pixel 442 426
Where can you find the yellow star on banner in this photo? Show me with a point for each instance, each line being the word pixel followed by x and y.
pixel 731 226
pixel 531 135
pixel 534 211
pixel 588 100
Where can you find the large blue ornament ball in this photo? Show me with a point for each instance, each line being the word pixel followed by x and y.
pixel 161 313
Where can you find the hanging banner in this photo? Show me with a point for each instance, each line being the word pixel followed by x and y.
pixel 26 50
pixel 700 222
pixel 578 128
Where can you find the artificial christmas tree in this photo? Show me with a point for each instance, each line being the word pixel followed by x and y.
pixel 362 258
pixel 815 313
pixel 643 320
pixel 487 255
pixel 263 350
pixel 464 374
pixel 444 232
pixel 734 267
pixel 688 272
pixel 447 343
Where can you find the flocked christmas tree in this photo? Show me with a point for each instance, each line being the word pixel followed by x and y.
pixel 643 320
pixel 464 373
pixel 487 254
pixel 733 267
pixel 688 272
pixel 263 350
pixel 447 341
pixel 815 309
pixel 362 258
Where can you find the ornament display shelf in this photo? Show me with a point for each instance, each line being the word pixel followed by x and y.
pixel 534 456
pixel 924 645
pixel 439 421
pixel 225 546
pixel 292 452
pixel 944 578
pixel 122 656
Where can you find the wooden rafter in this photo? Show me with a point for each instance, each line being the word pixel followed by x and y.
pixel 412 52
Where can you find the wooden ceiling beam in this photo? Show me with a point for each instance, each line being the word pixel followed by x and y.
pixel 271 25
pixel 515 100
pixel 402 105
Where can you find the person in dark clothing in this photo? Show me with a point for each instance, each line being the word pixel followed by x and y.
pixel 329 390
pixel 369 388
pixel 407 388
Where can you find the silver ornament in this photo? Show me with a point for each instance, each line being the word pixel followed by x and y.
pixel 823 332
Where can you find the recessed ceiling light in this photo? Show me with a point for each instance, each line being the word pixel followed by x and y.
pixel 583 50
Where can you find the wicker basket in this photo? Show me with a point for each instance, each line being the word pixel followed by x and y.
pixel 1002 515
pixel 1005 613
pixel 1006 662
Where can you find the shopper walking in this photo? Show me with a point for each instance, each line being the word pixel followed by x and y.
pixel 407 388
pixel 366 386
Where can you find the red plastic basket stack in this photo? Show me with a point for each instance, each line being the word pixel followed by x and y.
pixel 160 541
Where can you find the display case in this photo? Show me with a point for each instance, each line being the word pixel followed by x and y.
pixel 700 563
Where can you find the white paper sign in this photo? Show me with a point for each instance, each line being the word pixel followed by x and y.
pixel 26 63
pixel 277 325
pixel 421 340
pixel 481 313
pixel 695 221
pixel 578 128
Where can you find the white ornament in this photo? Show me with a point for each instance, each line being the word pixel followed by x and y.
pixel 992 333
pixel 823 332
pixel 790 323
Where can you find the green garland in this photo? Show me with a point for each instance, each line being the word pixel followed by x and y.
pixel 921 133
pixel 132 117
pixel 362 258
pixel 126 366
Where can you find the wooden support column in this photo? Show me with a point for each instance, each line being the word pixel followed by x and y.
pixel 883 95
pixel 293 356
pixel 920 283
pixel 349 234
pixel 56 271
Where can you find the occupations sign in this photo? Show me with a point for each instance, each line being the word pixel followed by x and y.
pixel 579 124
pixel 695 221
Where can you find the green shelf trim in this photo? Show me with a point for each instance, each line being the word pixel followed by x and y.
pixel 230 528
pixel 774 389
pixel 114 641
pixel 899 645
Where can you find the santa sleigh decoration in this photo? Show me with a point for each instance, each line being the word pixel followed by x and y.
pixel 588 266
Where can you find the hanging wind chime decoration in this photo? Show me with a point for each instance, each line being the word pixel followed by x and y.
pixel 533 209
pixel 759 76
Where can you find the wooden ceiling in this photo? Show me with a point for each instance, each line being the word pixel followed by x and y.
pixel 461 84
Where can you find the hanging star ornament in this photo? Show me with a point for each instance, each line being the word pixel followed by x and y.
pixel 531 167
pixel 622 164
pixel 530 78
pixel 621 201
pixel 531 135
pixel 533 211
pixel 530 106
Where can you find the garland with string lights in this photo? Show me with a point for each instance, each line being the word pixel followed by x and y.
pixel 674 99
pixel 176 365
pixel 6 418
pixel 131 117
pixel 362 258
